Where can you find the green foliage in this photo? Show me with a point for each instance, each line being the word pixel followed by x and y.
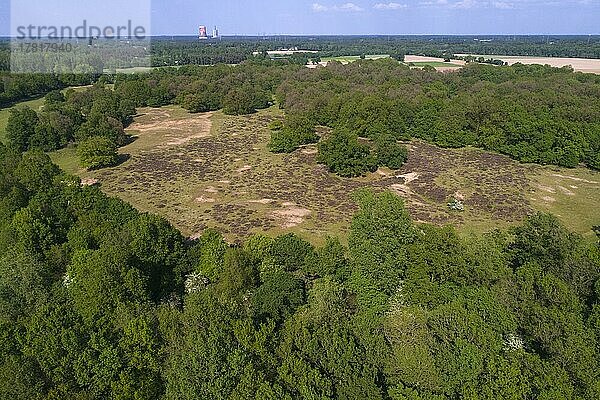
pixel 278 297
pixel 36 171
pixel 210 251
pixel 344 155
pixel 200 102
pixel 295 131
pixel 101 125
pixel 389 153
pixel 245 100
pixel 53 131
pixel 239 274
pixel 291 252
pixel 276 125
pixel 378 243
pixel 21 127
pixel 54 97
pixel 97 152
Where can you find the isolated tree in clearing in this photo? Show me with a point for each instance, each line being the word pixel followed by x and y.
pixel 97 152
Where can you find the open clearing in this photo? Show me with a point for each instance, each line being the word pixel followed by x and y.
pixel 214 170
pixel 578 64
pixel 349 59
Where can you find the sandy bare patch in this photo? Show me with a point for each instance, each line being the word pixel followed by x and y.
pixel 309 151
pixel 174 131
pixel 549 199
pixel 566 191
pixel 89 182
pixel 574 178
pixel 401 189
pixel 408 178
pixel 225 182
pixel 262 201
pixel 244 169
pixel 211 189
pixel 546 188
pixel 291 216
pixel 459 196
pixel 203 199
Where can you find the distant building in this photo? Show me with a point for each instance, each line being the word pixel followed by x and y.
pixel 202 32
pixel 215 33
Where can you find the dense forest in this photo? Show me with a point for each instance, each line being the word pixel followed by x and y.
pixel 174 51
pixel 168 51
pixel 99 301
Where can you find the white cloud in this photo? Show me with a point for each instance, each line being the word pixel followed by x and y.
pixel 389 6
pixel 465 4
pixel 349 7
pixel 503 5
pixel 434 3
pixel 317 7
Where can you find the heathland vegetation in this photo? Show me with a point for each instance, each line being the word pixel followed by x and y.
pixel 98 300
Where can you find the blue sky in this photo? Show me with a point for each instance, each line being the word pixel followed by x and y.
pixel 182 17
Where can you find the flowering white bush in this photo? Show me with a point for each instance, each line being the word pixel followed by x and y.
pixel 195 282
pixel 456 205
pixel 68 280
pixel 513 342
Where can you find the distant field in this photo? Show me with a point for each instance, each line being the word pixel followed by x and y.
pixel 436 64
pixel 578 64
pixel 213 170
pixel 137 70
pixel 349 59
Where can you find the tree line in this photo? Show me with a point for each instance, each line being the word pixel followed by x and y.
pixel 20 87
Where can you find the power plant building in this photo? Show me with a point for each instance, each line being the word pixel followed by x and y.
pixel 202 32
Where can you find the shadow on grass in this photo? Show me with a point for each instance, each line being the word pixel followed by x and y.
pixel 121 159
